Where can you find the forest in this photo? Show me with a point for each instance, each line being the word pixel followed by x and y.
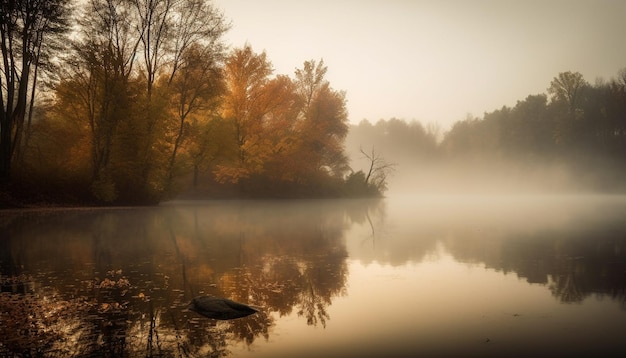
pixel 571 138
pixel 138 101
pixel 118 102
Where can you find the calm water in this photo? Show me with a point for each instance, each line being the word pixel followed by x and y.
pixel 404 276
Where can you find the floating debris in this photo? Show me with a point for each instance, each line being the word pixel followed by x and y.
pixel 220 308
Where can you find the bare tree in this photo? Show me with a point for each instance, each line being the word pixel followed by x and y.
pixel 197 22
pixel 379 170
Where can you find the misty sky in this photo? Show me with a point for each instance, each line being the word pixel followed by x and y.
pixel 434 61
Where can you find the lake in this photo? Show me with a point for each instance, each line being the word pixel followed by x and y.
pixel 403 276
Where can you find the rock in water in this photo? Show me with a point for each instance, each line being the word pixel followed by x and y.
pixel 220 308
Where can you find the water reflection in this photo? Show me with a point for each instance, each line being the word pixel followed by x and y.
pixel 119 280
pixel 575 245
pixel 76 282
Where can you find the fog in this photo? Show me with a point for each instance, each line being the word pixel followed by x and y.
pixel 496 272
pixel 487 179
pixel 479 162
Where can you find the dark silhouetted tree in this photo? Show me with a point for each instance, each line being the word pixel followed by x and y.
pixel 375 178
pixel 28 30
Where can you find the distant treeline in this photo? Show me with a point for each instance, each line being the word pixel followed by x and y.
pixel 143 102
pixel 575 125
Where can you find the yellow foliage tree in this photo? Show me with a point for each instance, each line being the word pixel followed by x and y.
pixel 194 95
pixel 286 131
pixel 245 105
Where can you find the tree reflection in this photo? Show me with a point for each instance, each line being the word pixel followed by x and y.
pixel 123 278
pixel 574 246
pixel 586 255
pixel 293 259
pixel 119 281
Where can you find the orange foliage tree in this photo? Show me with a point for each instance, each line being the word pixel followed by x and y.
pixel 287 131
pixel 244 106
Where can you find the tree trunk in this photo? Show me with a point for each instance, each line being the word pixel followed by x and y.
pixel 5 147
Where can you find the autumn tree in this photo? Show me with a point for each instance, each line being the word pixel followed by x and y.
pixel 323 120
pixel 196 77
pixel 167 31
pixel 140 69
pixel 194 95
pixel 102 76
pixel 247 75
pixel 58 164
pixel 283 141
pixel 28 30
pixel 209 142
pixel 287 132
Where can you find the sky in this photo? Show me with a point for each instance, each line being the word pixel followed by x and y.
pixel 434 61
